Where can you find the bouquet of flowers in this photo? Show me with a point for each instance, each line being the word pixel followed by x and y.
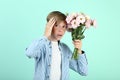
pixel 77 24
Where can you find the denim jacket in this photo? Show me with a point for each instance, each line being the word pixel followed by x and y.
pixel 40 50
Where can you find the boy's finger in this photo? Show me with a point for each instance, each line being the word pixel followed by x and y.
pixel 77 40
pixel 52 22
pixel 52 19
pixel 76 43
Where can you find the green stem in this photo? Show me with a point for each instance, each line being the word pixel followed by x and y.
pixel 75 54
pixel 84 30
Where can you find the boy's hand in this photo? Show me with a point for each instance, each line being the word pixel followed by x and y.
pixel 49 26
pixel 78 45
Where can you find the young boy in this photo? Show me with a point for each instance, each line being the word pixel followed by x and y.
pixel 53 58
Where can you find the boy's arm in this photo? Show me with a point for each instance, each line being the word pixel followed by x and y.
pixel 34 49
pixel 80 65
pixel 49 27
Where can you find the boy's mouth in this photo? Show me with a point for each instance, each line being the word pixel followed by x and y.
pixel 59 35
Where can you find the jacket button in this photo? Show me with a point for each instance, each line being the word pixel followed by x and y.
pixel 49 65
pixel 49 55
pixel 47 76
pixel 68 57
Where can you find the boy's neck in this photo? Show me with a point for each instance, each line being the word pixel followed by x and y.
pixel 52 39
pixel 49 38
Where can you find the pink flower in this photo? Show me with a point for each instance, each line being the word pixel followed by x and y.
pixel 94 23
pixel 75 20
pixel 69 18
pixel 88 23
pixel 74 24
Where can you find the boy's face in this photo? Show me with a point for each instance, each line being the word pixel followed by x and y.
pixel 58 30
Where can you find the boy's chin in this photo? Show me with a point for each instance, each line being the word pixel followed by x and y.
pixel 59 38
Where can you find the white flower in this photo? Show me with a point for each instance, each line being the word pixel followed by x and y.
pixel 88 23
pixel 80 19
pixel 87 17
pixel 74 15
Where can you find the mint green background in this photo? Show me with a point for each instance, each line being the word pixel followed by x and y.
pixel 22 21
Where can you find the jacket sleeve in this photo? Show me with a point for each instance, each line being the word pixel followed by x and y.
pixel 35 49
pixel 80 65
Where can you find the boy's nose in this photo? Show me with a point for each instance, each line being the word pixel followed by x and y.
pixel 61 30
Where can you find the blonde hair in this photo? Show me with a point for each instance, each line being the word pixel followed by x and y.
pixel 57 14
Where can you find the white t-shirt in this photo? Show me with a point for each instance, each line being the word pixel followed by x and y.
pixel 55 72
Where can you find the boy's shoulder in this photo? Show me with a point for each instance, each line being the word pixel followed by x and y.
pixel 39 40
pixel 66 48
pixel 64 45
pixel 42 38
